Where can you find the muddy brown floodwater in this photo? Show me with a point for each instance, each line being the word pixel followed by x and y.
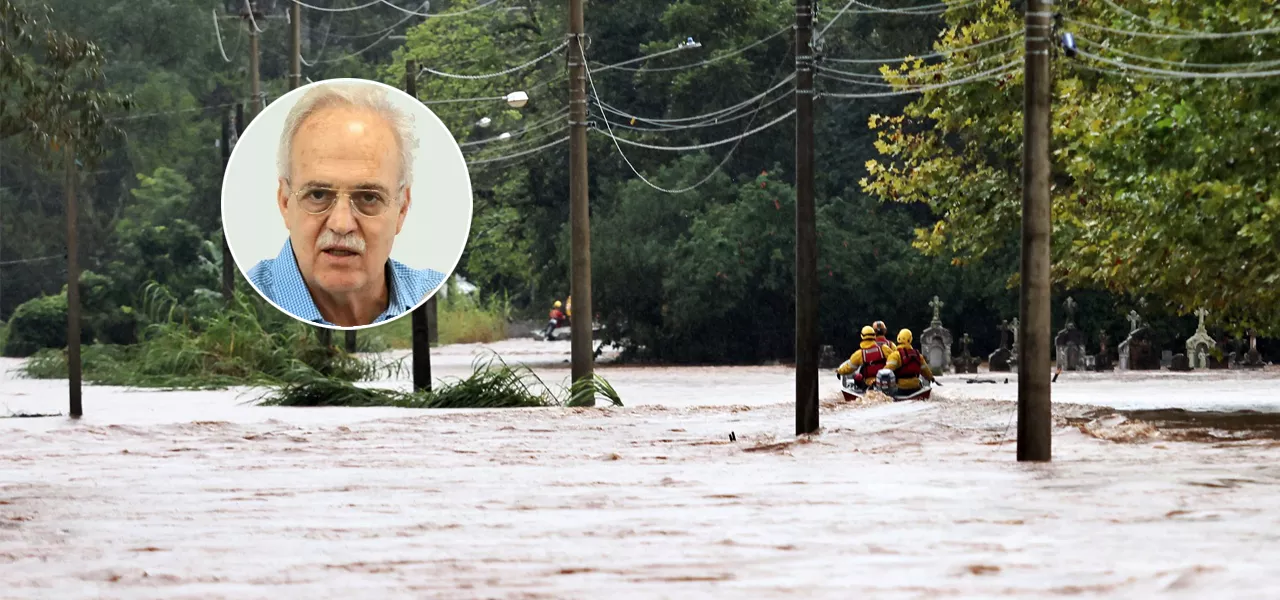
pixel 198 495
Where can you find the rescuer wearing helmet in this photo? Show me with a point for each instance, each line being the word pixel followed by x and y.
pixel 866 361
pixel 558 319
pixel 882 333
pixel 908 364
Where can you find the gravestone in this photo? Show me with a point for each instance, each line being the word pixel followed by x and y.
pixel 1013 351
pixel 1200 344
pixel 1221 356
pixel 966 363
pixel 1252 358
pixel 935 342
pixel 1166 358
pixel 1180 363
pixel 998 362
pixel 1138 352
pixel 827 358
pixel 1103 362
pixel 1069 344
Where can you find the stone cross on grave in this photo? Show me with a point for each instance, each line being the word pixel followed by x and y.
pixel 937 305
pixel 1201 344
pixel 1070 306
pixel 1201 312
pixel 1135 321
pixel 964 344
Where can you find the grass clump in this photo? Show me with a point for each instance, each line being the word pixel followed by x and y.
pixel 204 344
pixel 461 318
pixel 492 384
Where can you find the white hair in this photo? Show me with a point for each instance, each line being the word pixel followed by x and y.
pixel 360 95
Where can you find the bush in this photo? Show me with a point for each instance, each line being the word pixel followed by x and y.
pixel 40 323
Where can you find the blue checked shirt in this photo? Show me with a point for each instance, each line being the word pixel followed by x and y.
pixel 281 282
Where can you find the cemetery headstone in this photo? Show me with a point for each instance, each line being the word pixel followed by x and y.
pixel 1069 343
pixel 966 363
pixel 1252 358
pixel 1138 352
pixel 1103 362
pixel 1179 362
pixel 998 362
pixel 935 342
pixel 1200 344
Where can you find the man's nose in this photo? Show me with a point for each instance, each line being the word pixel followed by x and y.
pixel 340 219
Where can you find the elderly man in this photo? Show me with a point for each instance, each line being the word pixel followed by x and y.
pixel 345 171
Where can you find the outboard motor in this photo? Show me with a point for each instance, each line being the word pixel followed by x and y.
pixel 886 382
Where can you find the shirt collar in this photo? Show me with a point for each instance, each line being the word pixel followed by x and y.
pixel 287 275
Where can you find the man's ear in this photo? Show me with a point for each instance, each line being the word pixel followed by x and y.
pixel 404 210
pixel 282 201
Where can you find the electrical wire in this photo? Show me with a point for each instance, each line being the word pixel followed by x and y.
pixel 336 10
pixel 385 35
pixel 709 61
pixel 927 9
pixel 938 54
pixel 459 13
pixel 916 73
pixel 520 67
pixel 723 161
pixel 324 43
pixel 249 8
pixel 517 145
pixel 1176 63
pixel 217 31
pixel 704 116
pixel 1126 12
pixel 1199 35
pixel 526 152
pixel 533 127
pixel 172 112
pixel 1182 74
pixel 710 123
pixel 20 261
pixel 735 138
pixel 983 75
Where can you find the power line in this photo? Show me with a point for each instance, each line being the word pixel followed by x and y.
pixel 458 13
pixel 988 74
pixel 1178 63
pixel 735 138
pixel 386 34
pixel 938 54
pixel 709 61
pixel 917 73
pixel 714 122
pixel 511 156
pixel 702 117
pixel 509 71
pixel 1136 17
pixel 336 10
pixel 533 127
pixel 217 31
pixel 927 9
pixel 1182 74
pixel 1200 35
pixel 19 261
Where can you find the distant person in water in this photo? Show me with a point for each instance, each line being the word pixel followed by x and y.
pixel 345 177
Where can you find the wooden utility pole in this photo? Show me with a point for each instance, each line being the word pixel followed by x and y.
pixel 228 263
pixel 806 230
pixel 420 326
pixel 1035 411
pixel 295 38
pixel 73 287
pixel 255 82
pixel 580 214
pixel 350 340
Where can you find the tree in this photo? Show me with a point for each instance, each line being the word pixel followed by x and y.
pixel 1162 187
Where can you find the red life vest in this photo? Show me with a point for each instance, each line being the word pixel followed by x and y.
pixel 873 359
pixel 910 364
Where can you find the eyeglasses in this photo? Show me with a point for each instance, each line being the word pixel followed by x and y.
pixel 317 200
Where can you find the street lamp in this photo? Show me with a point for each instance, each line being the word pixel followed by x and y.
pixel 517 99
pixel 484 122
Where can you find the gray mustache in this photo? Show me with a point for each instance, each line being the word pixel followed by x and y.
pixel 350 242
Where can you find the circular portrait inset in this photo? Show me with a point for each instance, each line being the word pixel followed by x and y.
pixel 346 203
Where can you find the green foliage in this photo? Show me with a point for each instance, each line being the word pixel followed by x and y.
pixel 492 384
pixel 460 318
pixel 40 323
pixel 201 344
pixel 1163 188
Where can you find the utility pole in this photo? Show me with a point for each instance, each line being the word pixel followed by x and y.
pixel 228 281
pixel 806 230
pixel 420 326
pixel 1035 411
pixel 73 287
pixel 580 214
pixel 295 37
pixel 255 83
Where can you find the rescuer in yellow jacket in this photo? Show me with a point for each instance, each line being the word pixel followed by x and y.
pixel 866 361
pixel 908 364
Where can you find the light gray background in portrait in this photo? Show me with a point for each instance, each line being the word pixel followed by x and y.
pixel 435 230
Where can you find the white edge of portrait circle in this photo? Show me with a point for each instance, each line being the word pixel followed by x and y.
pixel 455 149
